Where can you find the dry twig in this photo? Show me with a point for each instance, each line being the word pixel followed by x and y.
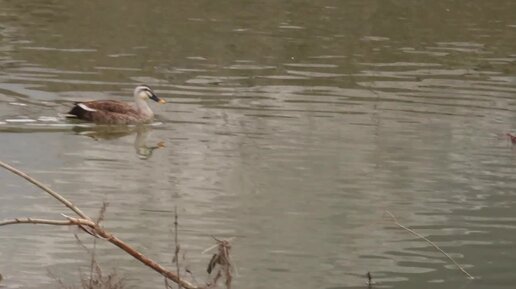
pixel 91 227
pixel 176 251
pixel 46 189
pixel 395 220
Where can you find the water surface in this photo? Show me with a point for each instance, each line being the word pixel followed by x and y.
pixel 290 125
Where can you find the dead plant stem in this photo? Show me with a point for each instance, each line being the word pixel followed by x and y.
pixel 176 251
pixel 395 220
pixel 92 228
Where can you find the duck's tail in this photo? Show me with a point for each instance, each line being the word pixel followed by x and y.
pixel 79 110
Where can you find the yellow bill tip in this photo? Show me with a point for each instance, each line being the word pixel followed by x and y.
pixel 162 101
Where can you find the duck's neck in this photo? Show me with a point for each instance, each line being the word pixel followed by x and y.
pixel 143 107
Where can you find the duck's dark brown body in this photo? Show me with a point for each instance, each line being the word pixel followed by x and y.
pixel 118 112
pixel 108 112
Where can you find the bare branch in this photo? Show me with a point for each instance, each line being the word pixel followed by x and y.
pixel 46 189
pixel 99 231
pixel 92 228
pixel 37 221
pixel 395 220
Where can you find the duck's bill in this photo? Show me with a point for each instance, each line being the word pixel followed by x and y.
pixel 157 99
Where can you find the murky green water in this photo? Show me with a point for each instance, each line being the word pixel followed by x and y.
pixel 290 125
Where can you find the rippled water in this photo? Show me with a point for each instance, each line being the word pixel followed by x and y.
pixel 290 125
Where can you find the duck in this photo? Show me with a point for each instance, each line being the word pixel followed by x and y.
pixel 117 112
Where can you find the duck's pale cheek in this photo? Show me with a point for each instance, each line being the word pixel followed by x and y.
pixel 143 95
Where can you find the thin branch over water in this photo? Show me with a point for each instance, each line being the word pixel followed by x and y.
pixel 91 227
pixel 395 220
pixel 45 188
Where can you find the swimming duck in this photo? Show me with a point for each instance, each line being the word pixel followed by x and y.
pixel 117 112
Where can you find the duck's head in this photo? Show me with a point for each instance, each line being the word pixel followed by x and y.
pixel 144 92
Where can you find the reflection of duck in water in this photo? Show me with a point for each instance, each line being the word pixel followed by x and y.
pixel 117 112
pixel 113 132
pixel 142 149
